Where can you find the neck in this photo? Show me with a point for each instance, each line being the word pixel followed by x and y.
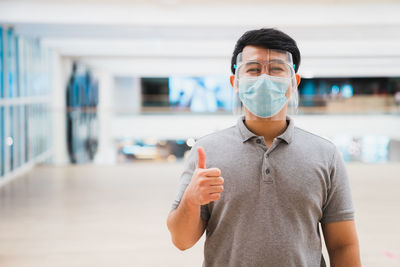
pixel 268 128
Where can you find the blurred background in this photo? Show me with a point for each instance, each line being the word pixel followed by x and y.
pixel 101 100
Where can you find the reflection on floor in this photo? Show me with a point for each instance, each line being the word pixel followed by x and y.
pixel 115 216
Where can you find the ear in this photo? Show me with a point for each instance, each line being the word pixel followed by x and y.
pixel 298 78
pixel 232 80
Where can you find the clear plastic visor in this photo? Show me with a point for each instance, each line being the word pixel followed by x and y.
pixel 265 85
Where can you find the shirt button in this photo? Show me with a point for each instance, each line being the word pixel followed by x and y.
pixel 258 141
pixel 267 171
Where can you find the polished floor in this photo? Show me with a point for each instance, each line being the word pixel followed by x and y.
pixel 115 216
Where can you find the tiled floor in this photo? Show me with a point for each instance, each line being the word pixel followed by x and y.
pixel 115 216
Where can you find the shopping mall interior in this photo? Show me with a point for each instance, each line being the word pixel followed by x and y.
pixel 101 101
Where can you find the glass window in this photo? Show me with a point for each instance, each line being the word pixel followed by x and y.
pixel 17 136
pixel 349 95
pixel 186 93
pixel 10 138
pixel 18 67
pixel 2 139
pixel 1 107
pixel 11 67
pixel 24 126
pixel 27 133
pixel 1 64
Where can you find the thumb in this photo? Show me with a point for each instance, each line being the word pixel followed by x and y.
pixel 201 161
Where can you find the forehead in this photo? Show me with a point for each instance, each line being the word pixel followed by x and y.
pixel 258 53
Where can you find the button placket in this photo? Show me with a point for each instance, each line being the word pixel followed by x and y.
pixel 267 177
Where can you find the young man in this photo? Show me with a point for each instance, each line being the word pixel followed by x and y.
pixel 279 182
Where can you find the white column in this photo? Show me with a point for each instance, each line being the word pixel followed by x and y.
pixel 61 72
pixel 106 153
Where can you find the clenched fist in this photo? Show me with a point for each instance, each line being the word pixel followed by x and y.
pixel 206 184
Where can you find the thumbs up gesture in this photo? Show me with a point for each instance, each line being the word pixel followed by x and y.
pixel 206 184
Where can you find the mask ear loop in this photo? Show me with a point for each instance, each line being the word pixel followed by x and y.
pixel 236 80
pixel 236 67
pixel 294 97
pixel 237 106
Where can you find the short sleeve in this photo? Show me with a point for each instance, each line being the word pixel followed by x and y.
pixel 338 205
pixel 186 177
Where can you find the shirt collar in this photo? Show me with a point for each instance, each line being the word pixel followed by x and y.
pixel 246 134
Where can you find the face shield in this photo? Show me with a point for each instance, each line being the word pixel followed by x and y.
pixel 265 85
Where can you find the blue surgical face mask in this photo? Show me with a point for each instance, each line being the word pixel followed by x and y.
pixel 264 96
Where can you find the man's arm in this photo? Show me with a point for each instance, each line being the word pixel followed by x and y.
pixel 342 244
pixel 185 225
pixel 185 222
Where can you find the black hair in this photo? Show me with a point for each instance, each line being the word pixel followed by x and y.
pixel 268 38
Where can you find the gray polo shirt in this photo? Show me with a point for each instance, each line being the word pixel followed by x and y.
pixel 274 197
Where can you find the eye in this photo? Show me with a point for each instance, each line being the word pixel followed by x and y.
pixel 277 69
pixel 253 68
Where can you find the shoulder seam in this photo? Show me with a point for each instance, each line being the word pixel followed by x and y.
pixel 321 137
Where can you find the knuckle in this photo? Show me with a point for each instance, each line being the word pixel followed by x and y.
pixel 213 172
pixel 201 181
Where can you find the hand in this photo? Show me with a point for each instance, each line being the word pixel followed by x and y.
pixel 206 184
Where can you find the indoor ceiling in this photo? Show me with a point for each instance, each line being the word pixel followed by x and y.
pixel 336 38
pixel 202 2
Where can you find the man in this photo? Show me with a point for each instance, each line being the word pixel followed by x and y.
pixel 279 182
